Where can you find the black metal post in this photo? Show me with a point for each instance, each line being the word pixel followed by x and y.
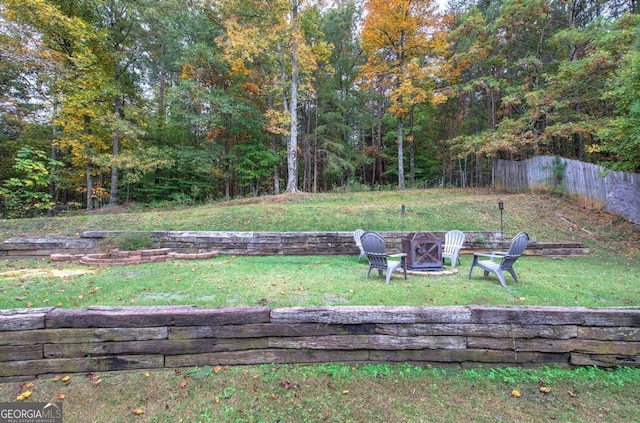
pixel 403 221
pixel 501 207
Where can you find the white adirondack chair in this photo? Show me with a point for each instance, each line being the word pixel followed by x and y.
pixel 453 241
pixel 357 234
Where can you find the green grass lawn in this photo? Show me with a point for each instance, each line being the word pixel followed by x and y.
pixel 606 280
pixel 608 277
pixel 343 393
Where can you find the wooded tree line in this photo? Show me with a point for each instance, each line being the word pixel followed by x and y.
pixel 112 101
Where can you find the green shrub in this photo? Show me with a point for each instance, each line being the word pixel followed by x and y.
pixel 131 241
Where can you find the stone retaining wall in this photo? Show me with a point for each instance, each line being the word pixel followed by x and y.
pixel 41 342
pixel 264 243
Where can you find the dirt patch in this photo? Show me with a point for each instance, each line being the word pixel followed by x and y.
pixel 444 271
pixel 44 273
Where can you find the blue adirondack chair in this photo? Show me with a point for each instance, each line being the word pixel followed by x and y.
pixel 374 247
pixel 498 262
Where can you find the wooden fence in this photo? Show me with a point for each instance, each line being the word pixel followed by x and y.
pixel 42 342
pixel 589 183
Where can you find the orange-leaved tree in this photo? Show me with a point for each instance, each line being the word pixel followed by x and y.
pixel 397 40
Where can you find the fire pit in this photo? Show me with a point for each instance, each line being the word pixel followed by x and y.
pixel 424 251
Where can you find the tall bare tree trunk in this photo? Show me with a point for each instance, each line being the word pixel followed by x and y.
pixel 412 154
pixel 315 150
pixel 292 147
pixel 113 197
pixel 162 82
pixel 227 171
pixel 274 140
pixel 400 128
pixel 54 155
pixel 378 149
pixel 115 138
pixel 307 180
pixel 87 131
pixel 89 188
pixel 374 141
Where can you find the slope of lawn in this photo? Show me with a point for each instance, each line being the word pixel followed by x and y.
pixel 331 392
pixel 548 218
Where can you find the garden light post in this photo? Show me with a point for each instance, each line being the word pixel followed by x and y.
pixel 402 208
pixel 501 207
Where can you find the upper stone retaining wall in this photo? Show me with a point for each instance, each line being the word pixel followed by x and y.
pixel 264 243
pixel 40 342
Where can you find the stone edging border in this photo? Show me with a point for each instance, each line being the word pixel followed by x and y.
pixel 121 258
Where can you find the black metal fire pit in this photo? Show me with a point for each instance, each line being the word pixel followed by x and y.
pixel 424 251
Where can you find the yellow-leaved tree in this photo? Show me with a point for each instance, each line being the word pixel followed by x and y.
pixel 397 38
pixel 264 42
pixel 73 82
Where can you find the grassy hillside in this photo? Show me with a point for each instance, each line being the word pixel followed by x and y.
pixel 334 392
pixel 547 218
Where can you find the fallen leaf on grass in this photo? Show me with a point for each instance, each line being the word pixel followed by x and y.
pixel 184 384
pixel 545 389
pixel 66 379
pixel 516 393
pixel 138 411
pixel 23 396
pixel 95 378
pixel 60 396
pixel 217 369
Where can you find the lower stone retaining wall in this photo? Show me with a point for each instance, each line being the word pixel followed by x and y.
pixel 264 243
pixel 40 342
